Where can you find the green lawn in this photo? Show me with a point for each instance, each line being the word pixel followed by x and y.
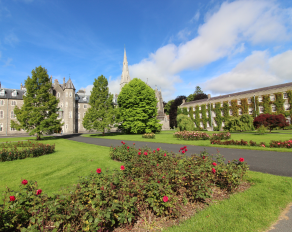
pixel 167 137
pixel 253 210
pixel 56 170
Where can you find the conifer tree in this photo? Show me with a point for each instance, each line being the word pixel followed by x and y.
pixel 101 113
pixel 138 108
pixel 38 115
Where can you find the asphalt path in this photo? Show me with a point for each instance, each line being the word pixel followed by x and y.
pixel 272 162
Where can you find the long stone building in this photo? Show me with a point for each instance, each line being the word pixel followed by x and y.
pixel 211 113
pixel 72 105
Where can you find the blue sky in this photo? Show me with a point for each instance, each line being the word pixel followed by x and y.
pixel 222 46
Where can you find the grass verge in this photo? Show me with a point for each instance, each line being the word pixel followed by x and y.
pixel 166 137
pixel 253 210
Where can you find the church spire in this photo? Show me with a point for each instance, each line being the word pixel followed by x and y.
pixel 125 78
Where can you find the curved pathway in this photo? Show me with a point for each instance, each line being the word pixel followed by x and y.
pixel 272 162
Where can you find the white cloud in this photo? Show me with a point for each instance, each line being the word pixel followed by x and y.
pixel 224 33
pixel 257 70
pixel 196 17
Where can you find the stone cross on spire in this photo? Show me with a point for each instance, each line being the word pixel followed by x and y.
pixel 125 77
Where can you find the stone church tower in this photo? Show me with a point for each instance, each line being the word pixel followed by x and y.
pixel 125 78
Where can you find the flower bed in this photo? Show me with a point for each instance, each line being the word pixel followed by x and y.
pixel 192 135
pixel 149 136
pixel 284 144
pixel 11 152
pixel 156 181
pixel 230 142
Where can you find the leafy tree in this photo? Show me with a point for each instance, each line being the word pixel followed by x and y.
pixel 184 123
pixel 138 108
pixel 101 113
pixel 198 90
pixel 197 95
pixel 167 106
pixel 242 123
pixel 190 97
pixel 200 96
pixel 270 121
pixel 173 110
pixel 38 114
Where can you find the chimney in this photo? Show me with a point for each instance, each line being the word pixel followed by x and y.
pixel 209 96
pixel 20 85
pixel 63 82
pixel 184 101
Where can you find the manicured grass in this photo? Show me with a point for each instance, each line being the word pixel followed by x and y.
pixel 59 169
pixel 167 137
pixel 253 210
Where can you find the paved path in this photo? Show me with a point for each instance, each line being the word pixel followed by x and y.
pixel 277 163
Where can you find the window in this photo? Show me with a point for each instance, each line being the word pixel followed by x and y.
pixel 78 115
pixel 1 102
pixel 1 126
pixel 208 125
pixel 66 94
pixel 285 95
pixel 249 100
pixel 260 98
pixel 199 107
pixel 207 107
pixel 1 114
pixel 66 104
pixel 223 124
pixel 230 112
pixel 14 93
pixel 70 114
pixel 194 116
pixel 229 103
pixel 58 94
pixel 222 113
pixel 188 115
pixel 239 102
pixel 2 92
pixel 200 115
pixel 201 124
pixel 272 97
pixel 214 105
pixel 70 94
pixel 240 112
pixel 188 109
pixel 66 126
pixel 274 108
pixel 207 114
pixel 250 110
pixel 221 104
pixel 287 106
pixel 12 114
pixel 13 103
pixel 194 108
pixel 12 129
pixel 261 109
pixel 84 106
pixel 83 115
pixel 61 105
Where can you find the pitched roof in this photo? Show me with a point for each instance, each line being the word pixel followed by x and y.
pixel 289 84
pixel 8 94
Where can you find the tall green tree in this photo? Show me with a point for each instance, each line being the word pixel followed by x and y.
pixel 167 106
pixel 138 108
pixel 38 114
pixel 101 113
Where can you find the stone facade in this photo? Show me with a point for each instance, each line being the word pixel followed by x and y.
pixel 250 95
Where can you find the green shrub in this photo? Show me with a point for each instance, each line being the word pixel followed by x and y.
pixel 184 123
pixel 261 130
pixel 156 180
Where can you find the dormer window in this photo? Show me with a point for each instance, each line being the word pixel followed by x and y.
pixel 85 98
pixel 14 93
pixel 2 92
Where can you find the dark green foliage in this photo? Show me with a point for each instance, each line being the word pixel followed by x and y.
pixel 38 115
pixel 242 123
pixel 200 96
pixel 184 123
pixel 11 152
pixel 167 107
pixel 138 108
pixel 173 112
pixel 101 113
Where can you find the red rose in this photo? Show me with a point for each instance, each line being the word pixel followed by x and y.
pixel 214 164
pixel 114 148
pixel 163 177
pixel 158 149
pixel 98 170
pixel 153 151
pixel 102 188
pixel 139 153
pixel 122 167
pixel 24 182
pixel 164 154
pixel 181 148
pixel 133 143
pixel 183 152
pixel 204 157
pixel 145 153
pixel 241 159
pixel 165 198
pixel 186 149
pixel 158 182
pixel 12 198
pixel 157 165
pixel 39 191
pixel 122 142
pixel 214 170
pixel 128 147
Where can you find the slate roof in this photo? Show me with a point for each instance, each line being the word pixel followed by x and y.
pixel 82 98
pixel 8 94
pixel 289 84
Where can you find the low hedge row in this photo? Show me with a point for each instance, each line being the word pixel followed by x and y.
pixel 156 181
pixel 192 135
pixel 10 153
pixel 149 135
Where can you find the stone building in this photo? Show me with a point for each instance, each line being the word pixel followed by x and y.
pixel 212 112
